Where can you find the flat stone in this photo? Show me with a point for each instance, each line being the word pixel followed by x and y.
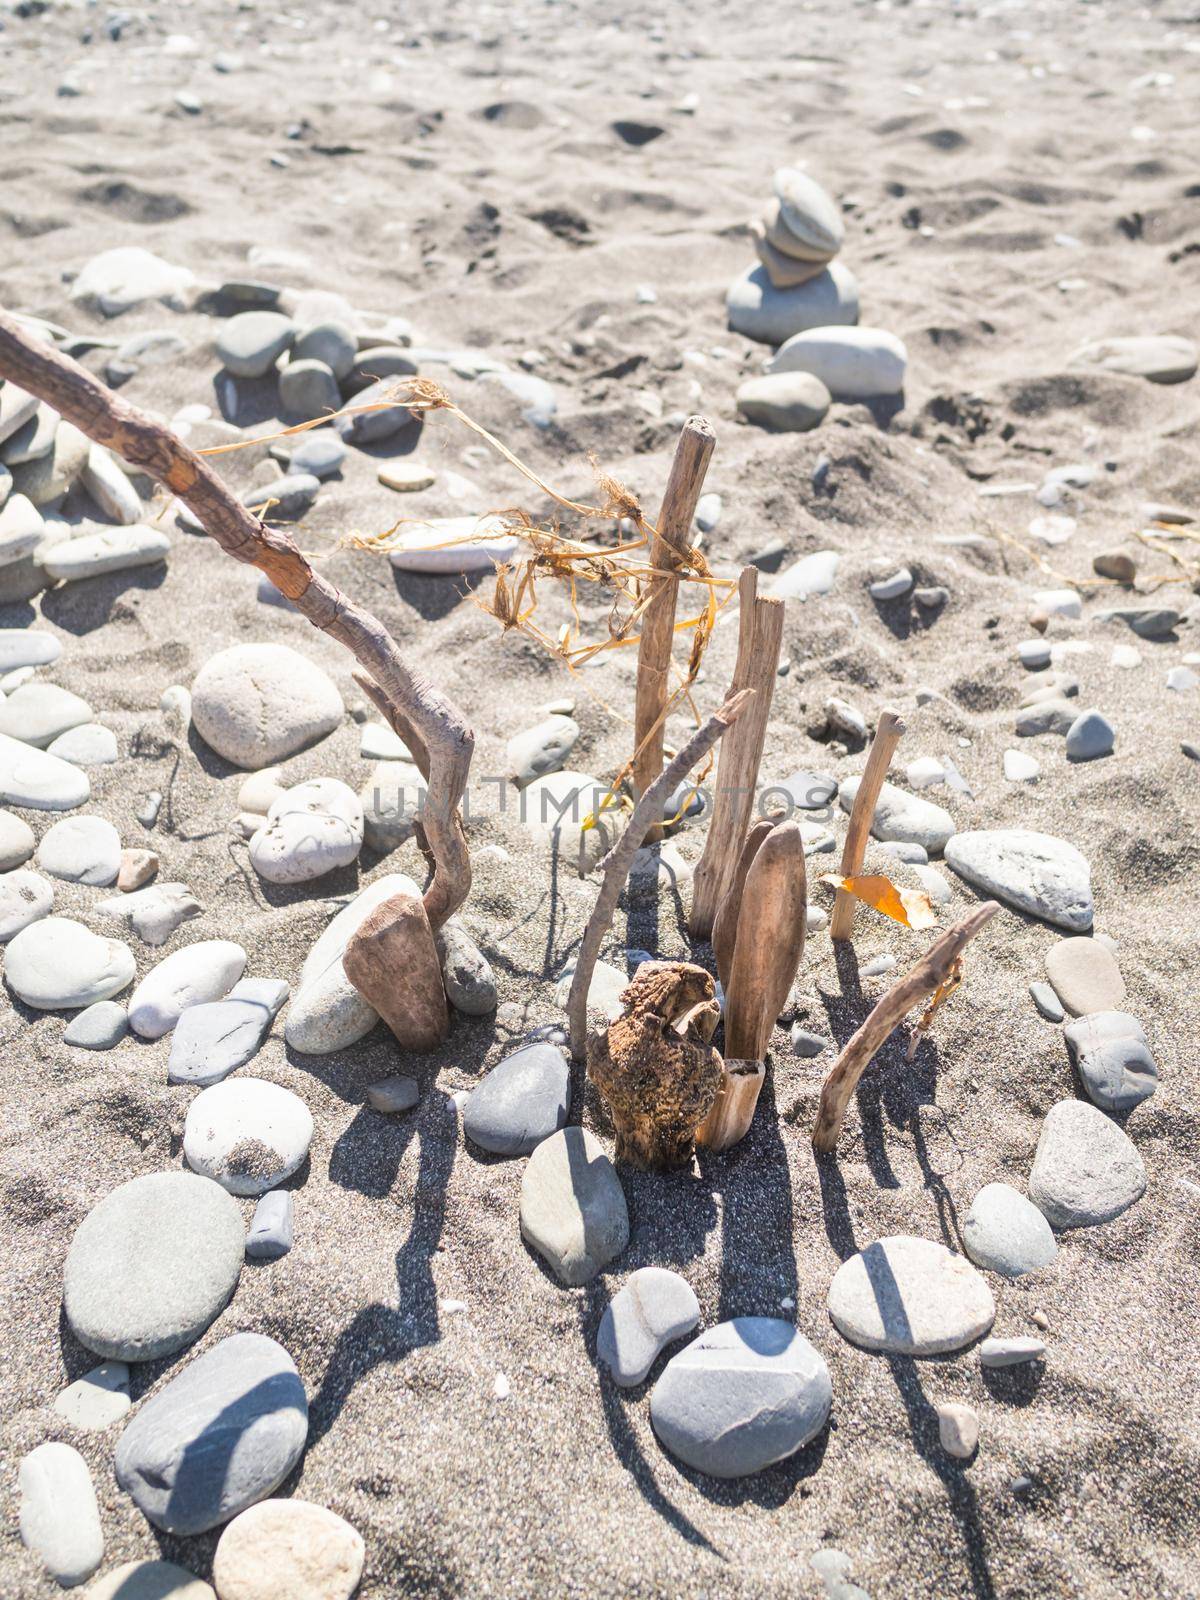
pixel 89 745
pixel 520 1102
pixel 958 1430
pixel 100 1027
pixel 541 749
pixel 25 897
pixel 1035 872
pixel 536 398
pixel 573 1210
pixel 247 1134
pixel 310 830
pixel 1116 564
pixel 996 1353
pixel 269 993
pixel 407 477
pixel 891 587
pixel 33 439
pixel 813 223
pixel 93 555
pixel 273 1226
pixel 904 818
pixel 98 1399
pixel 742 1396
pixel 249 344
pixel 470 986
pixel 605 988
pixel 110 487
pixel 152 1265
pixel 1148 622
pixel 116 280
pixel 1052 715
pixel 911 1297
pixel 137 868
pixel 758 310
pixel 654 1307
pixel 318 454
pixel 453 545
pixel 37 713
pixel 81 850
pixel 393 1094
pixel 27 647
pixel 1006 1233
pixel 1034 654
pixel 152 913
pixel 256 704
pixel 811 575
pixel 56 964
pixel 218 1437
pixel 288 1548
pixel 46 479
pixel 1047 1002
pixel 1085 976
pixel 807 1044
pixel 1087 1170
pixel 16 841
pixel 851 363
pixel 787 402
pixel 1112 1055
pixel 283 499
pixel 1020 768
pixel 212 1040
pixel 188 977
pixel 368 427
pixel 807 791
pixel 1090 736
pixel 1162 358
pixel 59 1519
pixel 150 1580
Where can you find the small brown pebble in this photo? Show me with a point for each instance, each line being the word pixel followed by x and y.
pixel 1040 1320
pixel 137 867
pixel 1040 620
pixel 1115 564
pixel 958 1430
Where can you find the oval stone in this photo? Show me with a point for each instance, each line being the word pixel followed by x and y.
pixel 903 818
pixel 311 829
pixel 1035 872
pixel 853 363
pixel 756 308
pixel 520 1102
pixel 59 1519
pixel 152 1265
pixel 256 704
pixel 188 977
pixel 112 550
pixel 247 1134
pixel 81 850
pixel 30 777
pixel 910 1297
pixel 785 402
pixel 1085 976
pixel 150 1580
pixel 742 1396
pixel 288 1548
pixel 1006 1233
pixel 1087 1170
pixel 56 964
pixel 25 897
pixel 808 214
pixel 573 1209
pixel 1113 1058
pixel 454 544
pixel 249 344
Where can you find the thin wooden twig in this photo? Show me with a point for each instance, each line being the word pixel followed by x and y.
pixel 617 863
pixel 862 813
pixel 924 979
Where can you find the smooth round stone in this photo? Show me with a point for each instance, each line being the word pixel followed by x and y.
pixel 1162 358
pixel 1087 1170
pixel 246 1134
pixel 212 1040
pixel 116 280
pixel 997 1353
pixel 1034 872
pixel 272 1229
pixel 319 454
pixel 308 389
pixel 44 480
pixel 1006 1233
pixel 56 964
pixel 100 1027
pixel 27 647
pixel 81 850
pixel 310 830
pixel 654 1308
pixel 910 1297
pixel 470 986
pixel 89 745
pixel 22 530
pixel 605 989
pixel 1148 622
pixel 573 1210
pixel 187 977
pixel 217 1438
pixel 536 397
pixel 98 1399
pixel 330 342
pixel 250 343
pixel 852 363
pixel 1085 976
pixel 1112 1055
pixel 1090 736
pixel 541 749
pixel 1050 715
pixel 59 1519
pixel 520 1102
pixel 915 854
pixel 36 713
pixel 1047 1002
pixel 256 704
pixel 811 219
pixel 904 818
pixel 788 402
pixel 958 1430
pixel 807 1044
pixel 1020 768
pixel 812 575
pixel 283 499
pixel 1034 653
pixel 892 586
pixel 454 544
pixel 150 1580
pixel 16 841
pixel 742 1396
pixel 24 898
pixel 152 1265
pixel 369 427
pixel 17 408
pixel 33 439
pixel 288 1548
pixel 758 310
pixel 115 550
pixel 379 362
pixel 393 1094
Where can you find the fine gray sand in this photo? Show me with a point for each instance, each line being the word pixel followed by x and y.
pixel 459 169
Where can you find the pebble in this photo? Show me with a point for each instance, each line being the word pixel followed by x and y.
pixel 1034 872
pixel 152 1265
pixel 393 1094
pixel 520 1102
pixel 892 586
pixel 1047 1002
pixel 117 280
pixel 213 1039
pixel 327 1012
pixel 554 807
pixel 110 488
pixel 756 308
pixel 911 1297
pixel 36 713
pixel 810 576
pixel 81 850
pixel 573 1210
pixel 654 1307
pixel 808 791
pixel 541 749
pixel 915 854
pixel 1090 736
pixel 89 745
pixel 407 478
pixel 605 989
pixel 958 1430
pixel 1086 1170
pixel 391 799
pixel 708 512
pixel 33 778
pixel 808 1044
pixel 310 830
pixel 996 1353
pixel 904 818
pixel 27 647
pixel 1020 768
pixel 272 1227
pixel 844 718
pixel 331 342
pixel 1115 564
pixel 147 812
pixel 470 986
pixel 153 913
pixel 742 1396
pixel 260 790
pixel 247 1134
pixel 1161 358
pixel 250 343
pixel 926 772
pixel 22 529
pixel 852 363
pixel 92 555
pixel 1085 976
pixel 1148 622
pixel 786 402
pixel 1059 602
pixel 1112 1055
pixel 1050 715
pixel 56 964
pixel 308 389
pixel 98 1399
pixel 1182 679
pixel 813 224
pixel 100 1027
pixel 59 1520
pixel 878 966
pixel 454 545
pixel 256 704
pixel 1006 1233
pixel 1034 653
pixel 244 1399
pixel 16 841
pixel 536 397
pixel 283 499
pixel 150 1580
pixel 379 363
pixel 24 898
pixel 137 868
pixel 368 427
pixel 187 977
pixel 17 407
pixel 288 1550
pixel 318 454
pixel 46 479
pixel 1053 530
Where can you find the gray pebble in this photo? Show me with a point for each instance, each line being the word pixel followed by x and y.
pixel 308 389
pixel 98 1399
pixel 1006 1233
pixel 1086 1170
pixel 904 850
pixel 319 453
pixel 284 499
pixel 520 1102
pixel 1110 1052
pixel 655 1307
pixel 250 343
pixel 272 1228
pixel 59 1519
pixel 393 1094
pixel 332 343
pixel 1090 735
pixel 99 1027
pixel 367 427
pixel 1010 1352
pixel 892 586
pixel 573 1210
pixel 213 1039
pixel 1034 653
pixel 808 1044
pixel 470 986
pixel 1047 716
pixel 1047 1002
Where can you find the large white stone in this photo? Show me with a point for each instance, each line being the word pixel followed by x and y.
pixel 246 1134
pixel 127 276
pixel 1087 1170
pixel 757 309
pixel 812 575
pixel 56 964
pixel 454 544
pixel 31 777
pixel 256 704
pixel 1007 1233
pixel 59 1519
pixel 903 818
pixel 81 850
pixel 311 829
pixel 288 1550
pixel 188 977
pixel 1035 872
pixel 852 363
pixel 910 1297
pixel 112 550
pixel 25 897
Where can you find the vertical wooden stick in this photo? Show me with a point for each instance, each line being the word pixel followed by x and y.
pixel 672 540
pixel 862 813
pixel 725 927
pixel 733 1110
pixel 770 942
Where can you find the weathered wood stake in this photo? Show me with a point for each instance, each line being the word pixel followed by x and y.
pixel 888 734
pixel 725 927
pixel 770 942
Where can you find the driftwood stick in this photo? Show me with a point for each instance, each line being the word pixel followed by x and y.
pixel 733 1109
pixel 724 934
pixel 760 632
pixel 430 724
pixel 617 863
pixel 672 541
pixel 770 942
pixel 862 813
pixel 923 980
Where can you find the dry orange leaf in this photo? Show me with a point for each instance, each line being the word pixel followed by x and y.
pixel 912 908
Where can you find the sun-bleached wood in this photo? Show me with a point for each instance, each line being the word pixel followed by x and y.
pixel 735 1105
pixel 888 734
pixel 725 927
pixel 769 947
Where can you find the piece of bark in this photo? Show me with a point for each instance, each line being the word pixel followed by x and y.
pixel 655 1068
pixel 923 980
pixel 392 961
pixel 760 633
pixel 888 733
pixel 733 1110
pixel 772 923
pixel 724 933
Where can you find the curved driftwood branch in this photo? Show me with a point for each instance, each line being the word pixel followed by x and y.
pixel 924 979
pixel 430 724
pixel 617 863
